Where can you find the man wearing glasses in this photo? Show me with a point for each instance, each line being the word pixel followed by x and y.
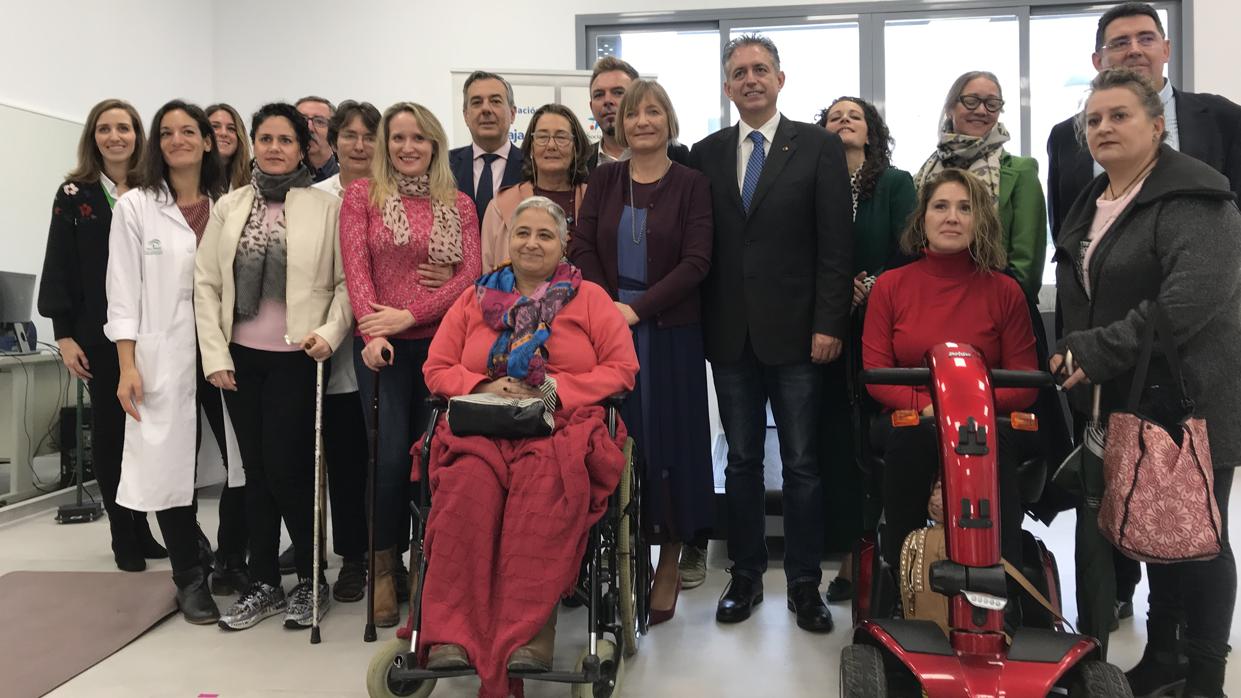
pixel 1206 126
pixel 318 112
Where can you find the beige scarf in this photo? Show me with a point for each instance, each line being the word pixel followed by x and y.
pixel 444 246
pixel 981 156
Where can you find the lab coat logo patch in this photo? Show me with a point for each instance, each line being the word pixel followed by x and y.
pixel 153 247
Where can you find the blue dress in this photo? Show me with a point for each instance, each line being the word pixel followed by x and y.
pixel 667 412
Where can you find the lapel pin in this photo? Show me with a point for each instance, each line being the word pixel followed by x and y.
pixel 785 148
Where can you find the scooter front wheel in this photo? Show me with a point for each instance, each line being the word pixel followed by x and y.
pixel 862 673
pixel 1095 679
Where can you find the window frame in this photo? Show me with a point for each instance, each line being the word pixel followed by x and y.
pixel 871 18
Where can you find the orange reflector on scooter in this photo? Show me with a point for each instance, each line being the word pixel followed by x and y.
pixel 905 418
pixel 1024 421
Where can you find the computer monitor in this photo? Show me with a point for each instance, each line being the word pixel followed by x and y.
pixel 16 297
pixel 16 307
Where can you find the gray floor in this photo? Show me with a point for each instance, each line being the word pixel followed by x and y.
pixel 690 656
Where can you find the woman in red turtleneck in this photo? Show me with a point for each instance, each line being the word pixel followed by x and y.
pixel 956 292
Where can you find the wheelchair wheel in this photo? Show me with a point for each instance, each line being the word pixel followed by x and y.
pixel 379 683
pixel 628 548
pixel 611 671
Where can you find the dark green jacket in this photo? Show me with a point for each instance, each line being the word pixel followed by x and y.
pixel 1023 215
pixel 880 221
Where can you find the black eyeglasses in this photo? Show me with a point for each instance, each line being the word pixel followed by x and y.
pixel 971 102
pixel 1121 44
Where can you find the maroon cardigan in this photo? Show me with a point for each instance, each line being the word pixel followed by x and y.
pixel 679 234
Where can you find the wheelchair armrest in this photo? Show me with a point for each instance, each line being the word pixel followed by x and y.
pixel 614 401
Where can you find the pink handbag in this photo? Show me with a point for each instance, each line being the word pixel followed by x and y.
pixel 1159 498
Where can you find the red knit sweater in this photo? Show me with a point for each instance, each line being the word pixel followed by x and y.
pixel 944 298
pixel 377 269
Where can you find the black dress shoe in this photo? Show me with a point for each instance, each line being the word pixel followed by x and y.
pixel 151 549
pixel 812 613
pixel 739 598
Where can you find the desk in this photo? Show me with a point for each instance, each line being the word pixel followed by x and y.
pixel 33 388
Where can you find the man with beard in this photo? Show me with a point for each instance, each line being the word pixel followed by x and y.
pixel 608 82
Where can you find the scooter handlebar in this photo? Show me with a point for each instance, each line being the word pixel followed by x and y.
pixel 1000 378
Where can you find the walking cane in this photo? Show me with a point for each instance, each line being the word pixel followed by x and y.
pixel 368 634
pixel 314 585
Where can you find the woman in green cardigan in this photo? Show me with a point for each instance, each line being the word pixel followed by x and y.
pixel 883 198
pixel 972 138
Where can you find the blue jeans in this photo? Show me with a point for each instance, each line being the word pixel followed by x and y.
pixel 403 414
pixel 743 389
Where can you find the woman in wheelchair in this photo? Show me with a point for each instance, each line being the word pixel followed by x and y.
pixel 510 518
pixel 957 291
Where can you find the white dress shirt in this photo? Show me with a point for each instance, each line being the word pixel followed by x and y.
pixel 745 146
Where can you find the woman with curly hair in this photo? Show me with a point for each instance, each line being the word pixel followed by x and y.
pixel 883 198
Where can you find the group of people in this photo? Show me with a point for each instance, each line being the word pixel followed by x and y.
pixel 190 264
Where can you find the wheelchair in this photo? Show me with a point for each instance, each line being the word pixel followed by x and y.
pixel 614 587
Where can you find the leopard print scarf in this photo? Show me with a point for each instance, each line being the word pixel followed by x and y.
pixel 981 156
pixel 444 246
pixel 261 261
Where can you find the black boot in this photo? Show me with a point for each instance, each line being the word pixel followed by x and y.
pixel 193 597
pixel 1207 662
pixel 205 556
pixel 230 575
pixel 1163 667
pixel 125 548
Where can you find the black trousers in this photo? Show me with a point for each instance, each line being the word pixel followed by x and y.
pixel 107 444
pixel 346 451
pixel 231 535
pixel 273 412
pixel 911 466
pixel 1205 592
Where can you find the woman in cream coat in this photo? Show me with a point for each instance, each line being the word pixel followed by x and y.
pixel 270 300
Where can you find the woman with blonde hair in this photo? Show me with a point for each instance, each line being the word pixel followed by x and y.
pixel 957 291
pixel 71 294
pixel 230 136
pixel 407 215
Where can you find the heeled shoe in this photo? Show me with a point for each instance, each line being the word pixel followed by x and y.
pixel 657 616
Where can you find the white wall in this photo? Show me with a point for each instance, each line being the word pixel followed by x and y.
pixel 1215 34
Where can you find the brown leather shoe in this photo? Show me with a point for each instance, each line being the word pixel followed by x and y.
pixel 536 655
pixel 447 658
pixel 387 611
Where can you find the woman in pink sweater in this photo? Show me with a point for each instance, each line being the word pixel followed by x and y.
pixel 399 231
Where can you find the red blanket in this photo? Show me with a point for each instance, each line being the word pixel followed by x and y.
pixel 507 532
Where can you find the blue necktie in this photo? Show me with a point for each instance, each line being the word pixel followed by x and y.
pixel 753 169
pixel 486 190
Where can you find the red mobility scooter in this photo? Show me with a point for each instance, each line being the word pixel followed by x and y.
pixel 905 657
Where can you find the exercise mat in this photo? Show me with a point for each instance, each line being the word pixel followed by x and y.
pixel 55 625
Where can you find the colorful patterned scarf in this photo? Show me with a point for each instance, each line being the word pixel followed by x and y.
pixel 524 322
pixel 444 246
pixel 981 156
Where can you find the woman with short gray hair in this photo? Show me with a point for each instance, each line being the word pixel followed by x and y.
pixel 972 138
pixel 1159 228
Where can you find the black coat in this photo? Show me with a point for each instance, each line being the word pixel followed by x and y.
pixel 1209 127
pixel 1179 243
pixel 71 288
pixel 784 270
pixel 461 160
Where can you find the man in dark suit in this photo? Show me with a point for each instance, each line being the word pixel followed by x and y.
pixel 490 162
pixel 775 304
pixel 608 83
pixel 1206 126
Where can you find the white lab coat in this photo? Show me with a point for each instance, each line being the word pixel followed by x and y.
pixel 150 286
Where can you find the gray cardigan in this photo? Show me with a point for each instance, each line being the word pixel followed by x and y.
pixel 1178 242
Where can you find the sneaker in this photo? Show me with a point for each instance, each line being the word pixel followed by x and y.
pixel 693 566
pixel 301 604
pixel 351 582
pixel 258 602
